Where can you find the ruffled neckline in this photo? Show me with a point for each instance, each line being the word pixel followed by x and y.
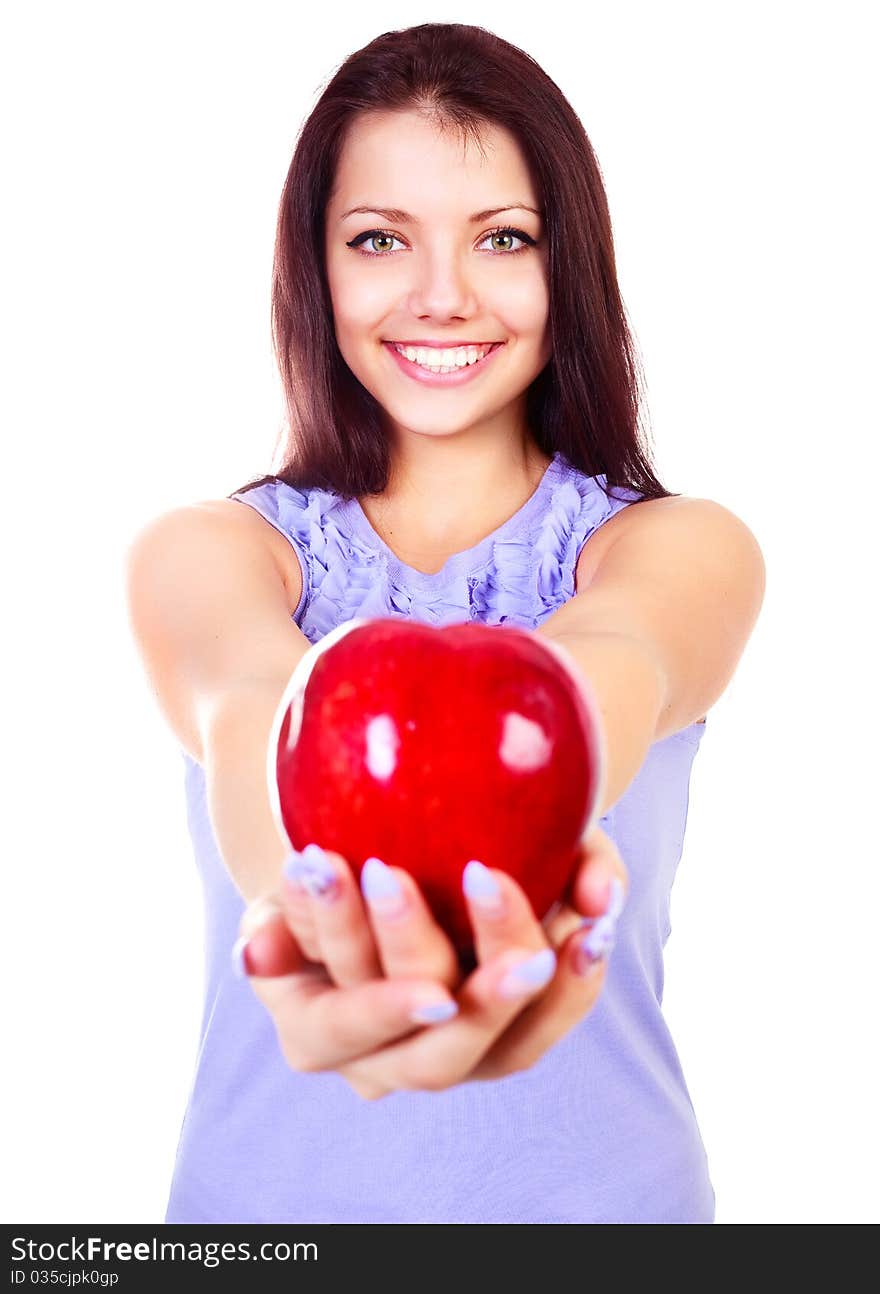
pixel 460 564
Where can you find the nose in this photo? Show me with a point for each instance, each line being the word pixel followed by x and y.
pixel 442 286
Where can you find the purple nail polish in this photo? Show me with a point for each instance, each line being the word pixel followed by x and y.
pixel 480 886
pixel 616 898
pixel 597 943
pixel 433 1013
pixel 528 975
pixel 313 871
pixel 291 869
pixel 382 890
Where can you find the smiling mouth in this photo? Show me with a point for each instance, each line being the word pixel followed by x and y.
pixel 439 359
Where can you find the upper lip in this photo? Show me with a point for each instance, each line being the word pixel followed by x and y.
pixel 441 345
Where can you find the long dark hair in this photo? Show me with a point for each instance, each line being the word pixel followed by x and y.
pixel 587 402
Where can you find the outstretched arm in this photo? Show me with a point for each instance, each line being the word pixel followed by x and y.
pixel 629 688
pixel 661 626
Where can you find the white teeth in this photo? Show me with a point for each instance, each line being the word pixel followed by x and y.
pixel 445 360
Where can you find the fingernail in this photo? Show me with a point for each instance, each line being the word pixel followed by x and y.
pixel 613 905
pixel 433 1012
pixel 240 967
pixel 616 898
pixel 313 871
pixel 255 915
pixel 381 888
pixel 291 870
pixel 530 974
pixel 597 943
pixel 482 889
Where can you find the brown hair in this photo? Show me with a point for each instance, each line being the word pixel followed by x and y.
pixel 586 402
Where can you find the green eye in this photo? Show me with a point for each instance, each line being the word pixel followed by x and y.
pixel 373 235
pixel 509 234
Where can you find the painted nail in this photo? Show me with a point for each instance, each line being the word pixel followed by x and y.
pixel 482 889
pixel 314 872
pixel 291 870
pixel 528 975
pixel 382 890
pixel 240 966
pixel 597 943
pixel 433 1012
pixel 255 915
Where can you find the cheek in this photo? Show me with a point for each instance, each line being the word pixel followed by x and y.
pixel 358 304
pixel 524 305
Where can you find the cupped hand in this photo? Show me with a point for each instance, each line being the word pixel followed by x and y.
pixel 372 987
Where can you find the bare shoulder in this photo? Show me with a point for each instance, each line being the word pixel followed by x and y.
pixel 685 574
pixel 208 610
pixel 251 523
pixel 702 517
pixel 598 543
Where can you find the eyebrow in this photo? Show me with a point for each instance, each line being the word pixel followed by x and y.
pixel 403 217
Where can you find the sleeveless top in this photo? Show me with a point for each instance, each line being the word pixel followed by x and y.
pixel 602 1127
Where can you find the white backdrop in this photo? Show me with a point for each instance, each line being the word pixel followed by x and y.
pixel 145 153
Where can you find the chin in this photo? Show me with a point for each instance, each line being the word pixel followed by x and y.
pixel 441 428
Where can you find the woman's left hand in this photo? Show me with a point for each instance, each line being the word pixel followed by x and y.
pixel 473 1046
pixel 589 910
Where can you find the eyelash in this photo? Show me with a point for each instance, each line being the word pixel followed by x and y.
pixel 385 233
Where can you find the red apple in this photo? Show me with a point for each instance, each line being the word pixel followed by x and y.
pixel 427 747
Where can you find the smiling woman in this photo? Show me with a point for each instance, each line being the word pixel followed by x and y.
pixel 447 300
pixel 464 421
pixel 451 212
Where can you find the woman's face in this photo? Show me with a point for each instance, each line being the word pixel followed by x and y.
pixel 428 272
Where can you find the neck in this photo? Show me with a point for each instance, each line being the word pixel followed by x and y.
pixel 442 488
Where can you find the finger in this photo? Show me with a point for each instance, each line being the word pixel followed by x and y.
pixel 489 1000
pixel 294 899
pixel 590 891
pixel 599 862
pixel 322 1027
pixel 574 991
pixel 569 999
pixel 369 1091
pixel 410 942
pixel 265 945
pixel 339 922
pixel 484 1041
pixel 501 914
pixel 560 923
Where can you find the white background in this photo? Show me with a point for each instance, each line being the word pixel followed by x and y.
pixel 145 153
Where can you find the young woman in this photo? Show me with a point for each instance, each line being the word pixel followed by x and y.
pixel 463 445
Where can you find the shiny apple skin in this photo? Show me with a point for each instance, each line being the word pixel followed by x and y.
pixel 429 746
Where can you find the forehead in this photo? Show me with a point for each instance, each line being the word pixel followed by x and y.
pixel 404 160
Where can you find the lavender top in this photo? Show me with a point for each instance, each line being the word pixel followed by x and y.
pixel 602 1128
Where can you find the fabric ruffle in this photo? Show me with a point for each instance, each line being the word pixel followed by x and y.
pixel 577 509
pixel 527 576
